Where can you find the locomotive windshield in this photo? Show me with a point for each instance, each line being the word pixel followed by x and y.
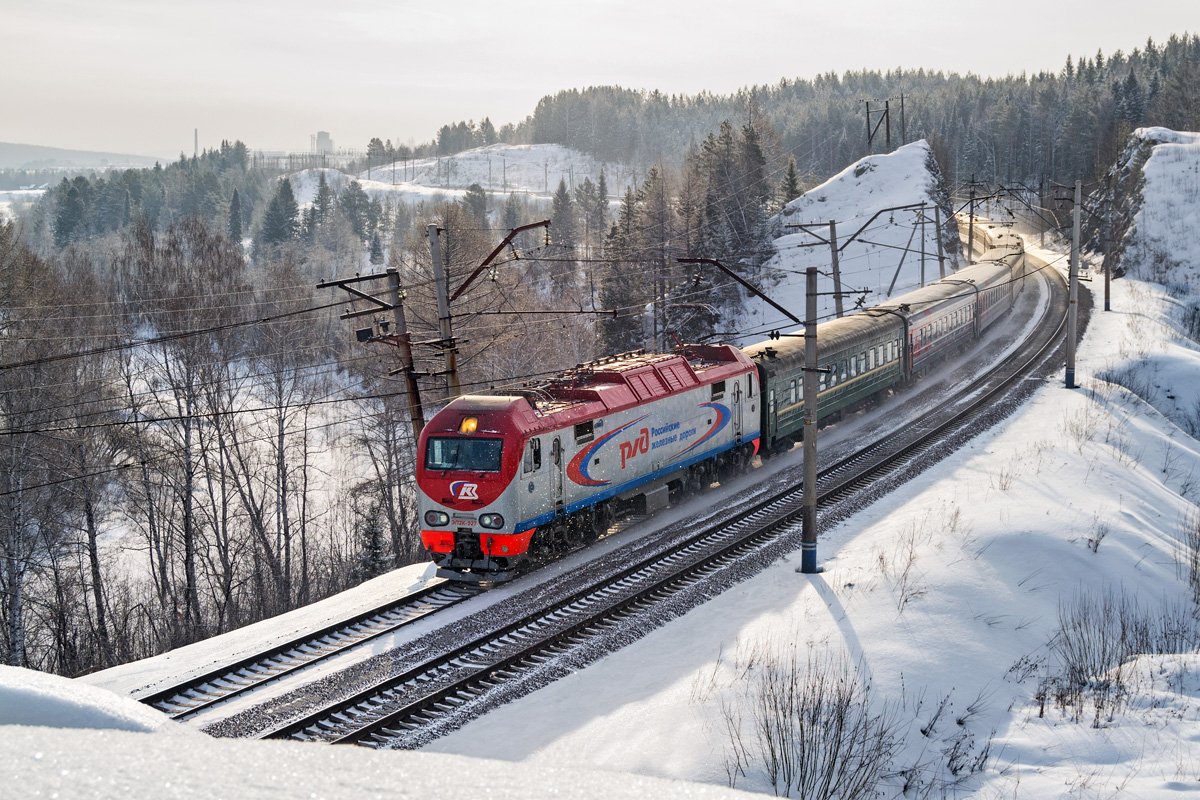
pixel 466 455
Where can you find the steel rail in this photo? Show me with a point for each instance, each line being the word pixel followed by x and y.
pixel 222 683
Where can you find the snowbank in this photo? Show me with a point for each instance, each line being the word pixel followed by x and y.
pixel 28 697
pixel 144 677
pixel 114 765
pixel 62 738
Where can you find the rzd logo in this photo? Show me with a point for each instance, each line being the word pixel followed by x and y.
pixel 465 491
pixel 639 445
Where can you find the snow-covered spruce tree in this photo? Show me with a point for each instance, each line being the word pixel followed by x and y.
pixel 235 217
pixel 281 222
pixel 623 291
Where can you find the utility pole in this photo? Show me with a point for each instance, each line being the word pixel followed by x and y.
pixel 887 125
pixel 1105 240
pixel 833 257
pixel 404 341
pixel 922 213
pixel 808 539
pixel 1042 204
pixel 1073 281
pixel 837 269
pixel 971 225
pixel 937 223
pixel 442 285
pixel 380 333
pixel 885 120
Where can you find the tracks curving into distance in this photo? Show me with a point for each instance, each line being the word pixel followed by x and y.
pixel 422 701
pixel 230 680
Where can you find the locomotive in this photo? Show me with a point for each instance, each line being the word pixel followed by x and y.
pixel 511 479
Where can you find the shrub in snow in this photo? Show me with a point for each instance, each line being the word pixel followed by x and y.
pixel 808 727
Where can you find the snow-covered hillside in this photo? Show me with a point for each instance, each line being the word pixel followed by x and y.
pixel 1161 168
pixel 17 201
pixel 880 253
pixel 531 170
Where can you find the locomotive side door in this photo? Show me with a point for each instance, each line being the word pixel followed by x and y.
pixel 735 409
pixel 556 474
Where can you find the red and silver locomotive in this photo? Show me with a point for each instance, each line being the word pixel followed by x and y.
pixel 508 478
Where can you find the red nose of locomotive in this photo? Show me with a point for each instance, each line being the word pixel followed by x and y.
pixel 468 456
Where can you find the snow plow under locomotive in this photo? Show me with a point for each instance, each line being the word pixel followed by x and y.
pixel 509 479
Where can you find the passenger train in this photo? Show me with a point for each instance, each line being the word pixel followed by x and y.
pixel 511 479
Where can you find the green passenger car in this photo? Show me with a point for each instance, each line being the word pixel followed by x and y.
pixel 859 355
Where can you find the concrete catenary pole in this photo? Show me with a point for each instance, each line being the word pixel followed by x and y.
pixel 837 269
pixel 416 412
pixel 808 545
pixel 442 284
pixel 1073 283
pixel 937 224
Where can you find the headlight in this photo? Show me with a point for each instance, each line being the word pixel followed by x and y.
pixel 435 518
pixel 491 521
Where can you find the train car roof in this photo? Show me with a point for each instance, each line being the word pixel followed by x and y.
pixel 607 385
pixel 832 336
pixel 847 331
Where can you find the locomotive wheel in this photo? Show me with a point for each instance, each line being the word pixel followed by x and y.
pixel 602 520
pixel 727 467
pixel 583 527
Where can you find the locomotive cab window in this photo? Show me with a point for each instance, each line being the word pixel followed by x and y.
pixel 533 456
pixel 584 432
pixel 462 454
pixel 718 390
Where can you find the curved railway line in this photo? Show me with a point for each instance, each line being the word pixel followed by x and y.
pixel 417 702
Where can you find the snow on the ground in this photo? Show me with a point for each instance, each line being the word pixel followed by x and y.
pixel 59 738
pixel 17 200
pixel 532 170
pixel 35 698
pixel 142 678
pixel 870 261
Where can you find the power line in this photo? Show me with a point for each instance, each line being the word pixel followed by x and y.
pixel 172 337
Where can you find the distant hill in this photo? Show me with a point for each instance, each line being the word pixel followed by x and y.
pixel 33 156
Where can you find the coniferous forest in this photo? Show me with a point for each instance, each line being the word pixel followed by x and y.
pixel 192 440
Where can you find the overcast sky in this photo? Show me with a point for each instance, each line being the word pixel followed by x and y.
pixel 137 76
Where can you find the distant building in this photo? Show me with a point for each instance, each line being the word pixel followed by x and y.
pixel 320 142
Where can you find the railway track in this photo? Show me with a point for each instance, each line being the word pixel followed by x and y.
pixel 196 694
pixel 423 700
